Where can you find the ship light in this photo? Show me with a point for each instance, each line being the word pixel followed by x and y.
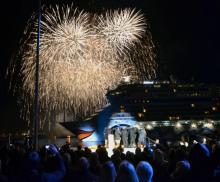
pixel 193 125
pixel 214 108
pixel 178 125
pixel 149 127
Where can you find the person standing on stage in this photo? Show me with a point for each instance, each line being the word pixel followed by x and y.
pixel 117 136
pixel 142 137
pixel 107 131
pixel 132 134
pixel 125 137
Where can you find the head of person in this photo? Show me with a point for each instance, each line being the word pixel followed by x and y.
pixel 126 172
pixel 138 151
pixel 83 164
pixel 158 156
pixel 199 152
pixel 181 171
pixel 67 158
pixel 108 172
pixel 144 171
pixel 33 160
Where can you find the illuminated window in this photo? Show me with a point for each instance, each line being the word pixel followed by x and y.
pixel 156 86
pixel 193 126
pixel 214 108
pixel 122 108
pixel 146 91
pixel 178 125
pixel 206 112
pixel 192 105
pixel 149 127
pixel 140 115
pixel 208 125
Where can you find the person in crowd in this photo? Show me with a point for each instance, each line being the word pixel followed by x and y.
pixel 215 162
pixel 83 173
pixel 137 156
pixel 102 154
pixel 199 158
pixel 144 171
pixel 126 173
pixel 130 157
pixel 182 171
pixel 147 154
pixel 116 158
pixel 108 173
pixel 95 166
pixel 3 178
pixel 160 166
pixel 67 161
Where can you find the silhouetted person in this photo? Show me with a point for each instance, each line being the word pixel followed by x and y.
pixel 181 172
pixel 126 173
pixel 83 174
pixel 199 158
pixel 160 166
pixel 108 173
pixel 144 171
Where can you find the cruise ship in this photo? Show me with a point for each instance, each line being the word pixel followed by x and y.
pixel 163 108
pixel 161 101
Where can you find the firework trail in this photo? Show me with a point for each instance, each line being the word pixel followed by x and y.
pixel 82 56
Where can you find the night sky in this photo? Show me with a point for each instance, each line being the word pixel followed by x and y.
pixel 185 33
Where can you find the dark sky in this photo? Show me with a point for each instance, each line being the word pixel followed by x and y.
pixel 185 32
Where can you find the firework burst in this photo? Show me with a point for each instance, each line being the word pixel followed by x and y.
pixel 83 55
pixel 122 28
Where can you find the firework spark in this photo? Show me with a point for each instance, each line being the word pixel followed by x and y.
pixel 83 55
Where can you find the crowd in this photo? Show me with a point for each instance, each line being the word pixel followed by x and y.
pixel 199 162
